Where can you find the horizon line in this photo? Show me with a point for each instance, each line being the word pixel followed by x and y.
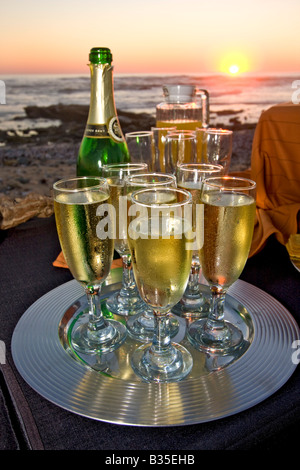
pixel 159 74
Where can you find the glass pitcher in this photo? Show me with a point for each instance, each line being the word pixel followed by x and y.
pixel 185 107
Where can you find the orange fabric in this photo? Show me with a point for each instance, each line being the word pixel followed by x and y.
pixel 275 166
pixel 60 262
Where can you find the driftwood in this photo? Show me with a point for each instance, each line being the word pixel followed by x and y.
pixel 14 212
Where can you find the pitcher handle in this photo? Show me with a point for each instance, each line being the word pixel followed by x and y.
pixel 204 96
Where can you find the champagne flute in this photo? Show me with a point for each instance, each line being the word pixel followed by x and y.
pixel 141 147
pixel 141 325
pixel 180 148
pixel 229 214
pixel 214 145
pixel 125 301
pixel 159 243
pixel 190 177
pixel 160 137
pixel 82 209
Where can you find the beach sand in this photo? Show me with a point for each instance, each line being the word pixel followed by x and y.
pixel 31 161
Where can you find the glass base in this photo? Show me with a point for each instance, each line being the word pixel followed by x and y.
pixel 125 305
pixel 172 366
pixel 141 326
pixel 106 340
pixel 196 307
pixel 219 341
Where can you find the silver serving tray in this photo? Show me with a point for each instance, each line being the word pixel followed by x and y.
pixel 106 389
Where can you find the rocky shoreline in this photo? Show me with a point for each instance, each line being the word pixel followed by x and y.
pixel 30 161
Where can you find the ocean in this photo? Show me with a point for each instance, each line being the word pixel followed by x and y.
pixel 243 96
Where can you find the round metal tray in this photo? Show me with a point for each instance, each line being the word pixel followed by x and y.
pixel 108 390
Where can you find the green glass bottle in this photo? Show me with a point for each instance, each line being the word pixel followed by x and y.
pixel 103 141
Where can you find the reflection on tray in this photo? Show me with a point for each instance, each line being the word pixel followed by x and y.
pixel 117 364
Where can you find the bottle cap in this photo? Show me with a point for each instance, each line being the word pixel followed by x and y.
pixel 100 55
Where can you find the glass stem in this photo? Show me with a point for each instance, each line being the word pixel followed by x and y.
pixel 96 319
pixel 128 281
pixel 215 326
pixel 193 283
pixel 161 337
pixel 99 330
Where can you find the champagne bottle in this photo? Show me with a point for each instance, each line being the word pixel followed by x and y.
pixel 103 141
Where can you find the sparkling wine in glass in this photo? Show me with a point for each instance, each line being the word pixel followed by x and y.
pixel 127 300
pixel 190 176
pixel 141 326
pixel 159 240
pixel 82 210
pixel 229 215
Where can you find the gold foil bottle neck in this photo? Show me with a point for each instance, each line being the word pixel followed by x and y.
pixel 102 119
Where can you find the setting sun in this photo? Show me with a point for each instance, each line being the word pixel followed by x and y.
pixel 234 69
pixel 234 63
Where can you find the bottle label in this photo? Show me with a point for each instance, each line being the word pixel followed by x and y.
pixel 102 130
pixel 114 130
pixel 96 130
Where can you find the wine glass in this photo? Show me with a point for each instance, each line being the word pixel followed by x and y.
pixel 160 137
pixel 214 146
pixel 159 240
pixel 81 209
pixel 180 148
pixel 125 301
pixel 229 214
pixel 141 147
pixel 190 177
pixel 141 325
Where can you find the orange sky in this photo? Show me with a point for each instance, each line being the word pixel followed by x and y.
pixel 157 36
